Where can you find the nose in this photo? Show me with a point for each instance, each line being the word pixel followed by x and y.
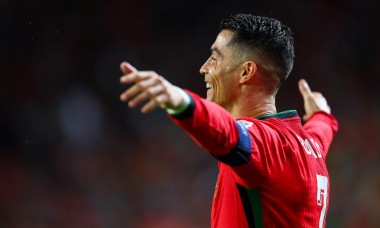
pixel 204 69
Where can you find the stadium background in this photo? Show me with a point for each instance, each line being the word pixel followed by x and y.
pixel 72 155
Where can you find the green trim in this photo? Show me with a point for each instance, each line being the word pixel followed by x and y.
pixel 255 198
pixel 185 104
pixel 188 112
pixel 276 113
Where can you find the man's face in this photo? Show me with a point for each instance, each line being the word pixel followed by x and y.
pixel 220 71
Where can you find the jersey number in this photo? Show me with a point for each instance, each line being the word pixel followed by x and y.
pixel 322 183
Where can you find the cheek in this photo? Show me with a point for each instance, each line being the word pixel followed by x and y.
pixel 215 65
pixel 215 76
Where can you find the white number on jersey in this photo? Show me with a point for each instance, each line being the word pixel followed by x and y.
pixel 322 183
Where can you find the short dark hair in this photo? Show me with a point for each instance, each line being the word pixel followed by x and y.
pixel 266 35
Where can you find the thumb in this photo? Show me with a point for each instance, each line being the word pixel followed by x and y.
pixel 127 68
pixel 304 88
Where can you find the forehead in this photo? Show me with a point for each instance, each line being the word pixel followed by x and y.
pixel 222 40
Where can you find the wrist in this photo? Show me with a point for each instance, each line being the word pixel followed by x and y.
pixel 184 104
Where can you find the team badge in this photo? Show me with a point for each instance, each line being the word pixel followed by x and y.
pixel 246 123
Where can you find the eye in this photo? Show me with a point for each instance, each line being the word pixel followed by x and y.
pixel 212 58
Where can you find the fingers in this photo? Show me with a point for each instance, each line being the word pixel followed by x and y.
pixel 127 68
pixel 150 93
pixel 154 103
pixel 304 88
pixel 148 86
pixel 313 101
pixel 317 95
pixel 138 87
pixel 136 76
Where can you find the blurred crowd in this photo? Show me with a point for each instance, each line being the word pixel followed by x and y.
pixel 73 155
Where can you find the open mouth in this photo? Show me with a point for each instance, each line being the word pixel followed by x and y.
pixel 208 85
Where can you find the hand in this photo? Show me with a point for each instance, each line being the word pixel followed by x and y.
pixel 148 86
pixel 313 101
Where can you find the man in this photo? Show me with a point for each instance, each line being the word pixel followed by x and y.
pixel 272 170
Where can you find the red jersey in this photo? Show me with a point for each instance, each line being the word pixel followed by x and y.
pixel 272 170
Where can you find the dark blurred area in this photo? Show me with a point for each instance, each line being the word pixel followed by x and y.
pixel 73 155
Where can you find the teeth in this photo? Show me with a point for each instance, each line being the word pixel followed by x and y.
pixel 208 85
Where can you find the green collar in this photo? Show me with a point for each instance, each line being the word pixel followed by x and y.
pixel 280 115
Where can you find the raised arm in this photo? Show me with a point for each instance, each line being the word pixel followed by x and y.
pixel 320 123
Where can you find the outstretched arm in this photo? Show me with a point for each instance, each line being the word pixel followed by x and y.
pixel 211 126
pixel 321 125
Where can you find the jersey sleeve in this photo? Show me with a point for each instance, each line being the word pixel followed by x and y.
pixel 322 127
pixel 214 129
pixel 245 148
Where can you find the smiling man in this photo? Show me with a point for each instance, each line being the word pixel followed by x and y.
pixel 232 75
pixel 272 170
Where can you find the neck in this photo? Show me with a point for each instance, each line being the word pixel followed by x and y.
pixel 253 107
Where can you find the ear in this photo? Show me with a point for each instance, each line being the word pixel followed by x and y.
pixel 248 72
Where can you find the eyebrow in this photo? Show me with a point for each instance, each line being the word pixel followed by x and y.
pixel 216 51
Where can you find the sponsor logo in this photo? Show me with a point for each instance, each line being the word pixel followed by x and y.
pixel 246 123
